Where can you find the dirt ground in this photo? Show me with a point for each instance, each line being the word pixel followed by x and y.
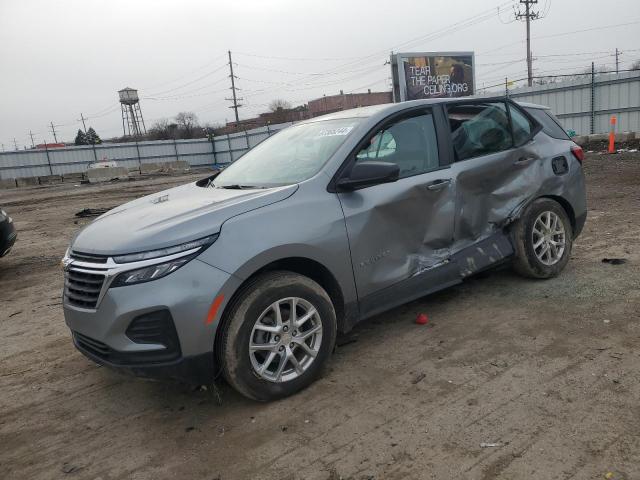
pixel 547 370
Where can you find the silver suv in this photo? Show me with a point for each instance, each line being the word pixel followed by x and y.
pixel 252 272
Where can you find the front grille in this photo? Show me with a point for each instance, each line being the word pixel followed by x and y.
pixel 82 289
pixel 88 257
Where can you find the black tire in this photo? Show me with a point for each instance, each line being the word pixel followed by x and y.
pixel 257 296
pixel 526 263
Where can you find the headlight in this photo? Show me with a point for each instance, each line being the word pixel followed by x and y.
pixel 201 244
pixel 152 272
pixel 147 273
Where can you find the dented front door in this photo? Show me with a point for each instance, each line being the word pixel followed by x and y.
pixel 398 230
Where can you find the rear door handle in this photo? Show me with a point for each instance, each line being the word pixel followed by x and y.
pixel 524 160
pixel 438 184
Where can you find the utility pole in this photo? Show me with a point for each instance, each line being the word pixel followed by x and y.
pixel 53 130
pixel 83 124
pixel 235 99
pixel 32 143
pixel 617 55
pixel 528 15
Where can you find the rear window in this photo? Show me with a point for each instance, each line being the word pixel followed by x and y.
pixel 550 124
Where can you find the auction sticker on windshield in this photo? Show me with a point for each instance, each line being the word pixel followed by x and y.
pixel 331 132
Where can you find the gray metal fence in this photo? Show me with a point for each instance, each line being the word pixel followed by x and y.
pixel 586 105
pixel 198 152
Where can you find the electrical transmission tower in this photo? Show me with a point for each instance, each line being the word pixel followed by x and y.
pixel 528 15
pixel 235 98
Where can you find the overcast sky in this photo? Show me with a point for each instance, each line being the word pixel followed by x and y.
pixel 65 57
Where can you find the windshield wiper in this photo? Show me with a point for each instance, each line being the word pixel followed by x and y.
pixel 238 187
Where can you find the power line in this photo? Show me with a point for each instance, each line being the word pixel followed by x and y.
pixel 179 87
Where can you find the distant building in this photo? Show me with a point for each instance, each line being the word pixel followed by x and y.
pixel 281 115
pixel 336 103
pixel 317 107
pixel 44 146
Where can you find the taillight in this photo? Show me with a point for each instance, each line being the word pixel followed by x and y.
pixel 578 153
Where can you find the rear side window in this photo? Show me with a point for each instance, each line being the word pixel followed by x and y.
pixel 479 129
pixel 550 124
pixel 522 126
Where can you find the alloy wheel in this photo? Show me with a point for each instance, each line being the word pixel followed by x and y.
pixel 549 240
pixel 285 339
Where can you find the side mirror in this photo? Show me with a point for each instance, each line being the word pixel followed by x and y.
pixel 366 174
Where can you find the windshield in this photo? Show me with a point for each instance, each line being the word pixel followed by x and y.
pixel 291 156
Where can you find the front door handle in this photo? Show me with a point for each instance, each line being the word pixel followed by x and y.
pixel 438 184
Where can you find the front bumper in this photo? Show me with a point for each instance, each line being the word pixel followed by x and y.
pixel 104 334
pixel 194 370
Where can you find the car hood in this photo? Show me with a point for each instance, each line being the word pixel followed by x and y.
pixel 171 217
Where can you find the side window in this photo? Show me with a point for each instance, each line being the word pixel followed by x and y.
pixel 550 124
pixel 381 145
pixel 521 125
pixel 410 143
pixel 479 129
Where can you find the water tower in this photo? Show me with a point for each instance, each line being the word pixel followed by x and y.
pixel 132 121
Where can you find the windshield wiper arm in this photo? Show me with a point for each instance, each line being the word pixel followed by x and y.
pixel 238 187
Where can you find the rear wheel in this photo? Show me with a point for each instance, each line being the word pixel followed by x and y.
pixel 280 335
pixel 543 239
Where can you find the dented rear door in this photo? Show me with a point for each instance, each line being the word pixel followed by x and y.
pixel 398 230
pixel 498 168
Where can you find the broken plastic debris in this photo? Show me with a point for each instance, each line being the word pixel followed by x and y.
pixel 422 319
pixel 490 445
pixel 614 261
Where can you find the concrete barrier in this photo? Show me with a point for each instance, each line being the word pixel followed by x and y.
pixel 27 181
pixel 8 183
pixel 95 175
pixel 177 166
pixel 50 179
pixel 73 177
pixel 625 136
pixel 147 168
pixel 599 137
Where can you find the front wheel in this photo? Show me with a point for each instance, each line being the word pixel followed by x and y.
pixel 543 238
pixel 281 332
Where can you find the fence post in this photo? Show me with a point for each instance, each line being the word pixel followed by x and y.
pixel 593 96
pixel 246 139
pixel 138 151
pixel 48 159
pixel 213 148
pixel 95 155
pixel 230 152
pixel 175 148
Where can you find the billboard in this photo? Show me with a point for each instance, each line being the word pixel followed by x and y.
pixel 432 75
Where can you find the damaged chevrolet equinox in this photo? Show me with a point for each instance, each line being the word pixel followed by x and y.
pixel 252 272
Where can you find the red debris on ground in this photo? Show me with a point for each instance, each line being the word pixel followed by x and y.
pixel 422 319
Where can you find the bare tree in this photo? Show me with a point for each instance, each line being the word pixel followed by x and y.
pixel 635 65
pixel 163 130
pixel 188 122
pixel 279 104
